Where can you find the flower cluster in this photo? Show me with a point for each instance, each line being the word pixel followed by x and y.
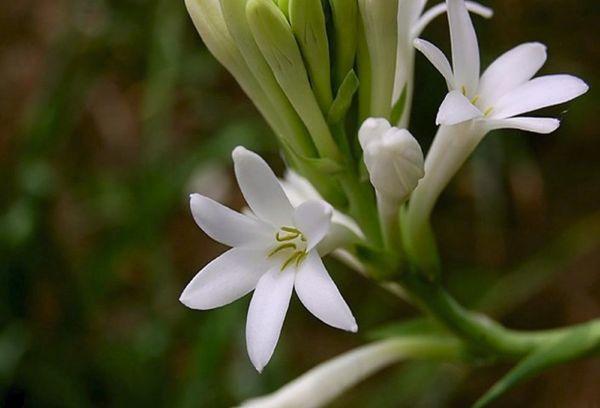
pixel 334 80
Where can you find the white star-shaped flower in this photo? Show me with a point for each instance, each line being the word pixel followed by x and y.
pixel 505 90
pixel 273 252
pixel 412 20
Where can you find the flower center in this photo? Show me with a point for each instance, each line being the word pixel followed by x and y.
pixel 474 101
pixel 290 247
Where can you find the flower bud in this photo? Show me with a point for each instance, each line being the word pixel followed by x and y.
pixel 393 158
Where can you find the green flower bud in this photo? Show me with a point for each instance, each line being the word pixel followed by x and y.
pixel 210 24
pixel 308 25
pixel 381 30
pixel 295 136
pixel 276 41
pixel 345 34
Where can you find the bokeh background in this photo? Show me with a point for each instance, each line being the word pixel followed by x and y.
pixel 113 111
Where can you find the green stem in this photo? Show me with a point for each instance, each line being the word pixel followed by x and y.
pixel 362 207
pixel 479 331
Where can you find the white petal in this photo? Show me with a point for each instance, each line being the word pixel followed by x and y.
pixel 298 189
pixel 225 279
pixel 539 93
pixel 455 109
pixel 372 129
pixel 536 125
pixel 511 69
pixel 320 296
pixel 313 219
pixel 225 225
pixel 465 50
pixel 261 189
pixel 267 311
pixel 437 59
pixel 441 8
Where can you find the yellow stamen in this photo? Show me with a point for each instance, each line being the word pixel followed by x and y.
pixel 282 247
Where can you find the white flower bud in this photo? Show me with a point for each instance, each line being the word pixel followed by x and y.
pixel 393 158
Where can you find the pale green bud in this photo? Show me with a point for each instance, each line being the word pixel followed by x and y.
pixel 210 24
pixel 345 18
pixel 234 12
pixel 308 24
pixel 380 24
pixel 276 41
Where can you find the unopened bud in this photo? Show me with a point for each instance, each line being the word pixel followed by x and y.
pixel 393 158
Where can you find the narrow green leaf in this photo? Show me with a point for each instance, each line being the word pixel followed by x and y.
pixel 578 342
pixel 343 99
pixel 308 25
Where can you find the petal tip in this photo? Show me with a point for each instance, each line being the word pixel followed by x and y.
pixel 238 152
pixel 354 328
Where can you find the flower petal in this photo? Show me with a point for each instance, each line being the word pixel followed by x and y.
pixel 536 125
pixel 455 109
pixel 320 296
pixel 313 218
pixel 437 59
pixel 539 93
pixel 372 129
pixel 267 311
pixel 224 280
pixel 225 225
pixel 261 189
pixel 511 69
pixel 441 8
pixel 465 50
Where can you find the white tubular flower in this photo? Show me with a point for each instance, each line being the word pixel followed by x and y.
pixel 394 161
pixel 476 105
pixel 505 90
pixel 319 386
pixel 393 157
pixel 411 23
pixel 272 253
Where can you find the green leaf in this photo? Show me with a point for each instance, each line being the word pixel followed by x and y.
pixel 578 342
pixel 343 99
pixel 399 106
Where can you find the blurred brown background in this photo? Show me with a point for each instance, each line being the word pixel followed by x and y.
pixel 112 112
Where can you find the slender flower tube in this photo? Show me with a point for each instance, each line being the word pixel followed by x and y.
pixel 273 252
pixel 322 384
pixel 411 23
pixel 477 105
pixel 394 161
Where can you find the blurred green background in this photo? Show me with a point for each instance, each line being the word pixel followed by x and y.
pixel 112 112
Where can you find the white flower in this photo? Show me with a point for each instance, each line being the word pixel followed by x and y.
pixel 412 20
pixel 274 251
pixel 474 106
pixel 393 158
pixel 505 90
